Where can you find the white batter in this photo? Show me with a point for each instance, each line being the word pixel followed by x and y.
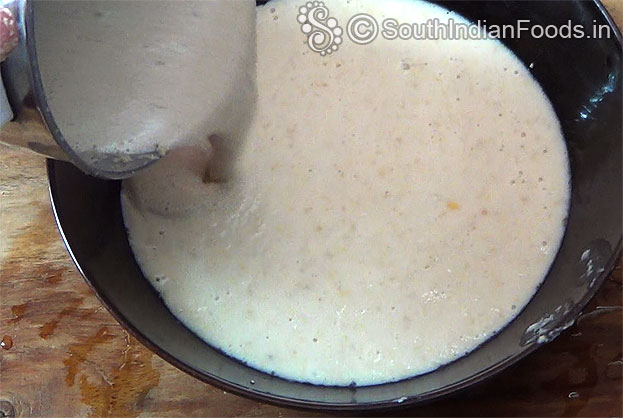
pixel 145 75
pixel 394 206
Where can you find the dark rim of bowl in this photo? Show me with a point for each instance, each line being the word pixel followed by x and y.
pixel 304 404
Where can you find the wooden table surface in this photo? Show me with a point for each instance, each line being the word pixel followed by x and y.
pixel 64 355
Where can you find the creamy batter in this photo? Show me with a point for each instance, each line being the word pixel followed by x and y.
pixel 146 75
pixel 394 205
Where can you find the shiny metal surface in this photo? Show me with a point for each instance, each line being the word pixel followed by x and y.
pixel 108 85
pixel 587 97
pixel 33 117
pixel 27 129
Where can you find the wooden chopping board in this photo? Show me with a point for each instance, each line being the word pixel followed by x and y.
pixel 64 355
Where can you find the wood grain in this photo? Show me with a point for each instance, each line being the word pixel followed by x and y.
pixel 64 355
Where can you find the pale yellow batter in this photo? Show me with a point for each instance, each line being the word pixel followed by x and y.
pixel 394 205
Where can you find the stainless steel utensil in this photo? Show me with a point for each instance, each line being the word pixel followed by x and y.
pixel 114 74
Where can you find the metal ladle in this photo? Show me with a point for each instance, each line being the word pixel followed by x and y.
pixel 32 31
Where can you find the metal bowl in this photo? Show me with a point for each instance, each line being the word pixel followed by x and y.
pixel 582 78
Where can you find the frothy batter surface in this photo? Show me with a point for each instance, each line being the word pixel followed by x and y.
pixel 394 205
